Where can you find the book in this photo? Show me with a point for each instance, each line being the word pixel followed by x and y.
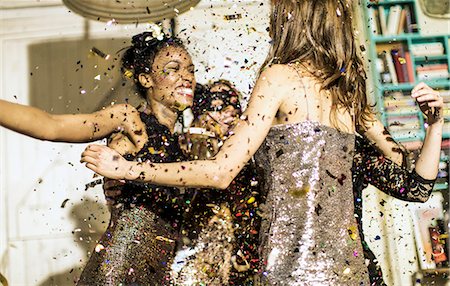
pixel 382 68
pixel 425 216
pixel 431 67
pixel 409 66
pixel 427 49
pixel 382 18
pixel 391 67
pixel 400 65
pixel 402 22
pixel 408 19
pixel 393 19
pixel 374 21
pixel 432 75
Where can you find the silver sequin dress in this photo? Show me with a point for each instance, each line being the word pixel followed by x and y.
pixel 309 232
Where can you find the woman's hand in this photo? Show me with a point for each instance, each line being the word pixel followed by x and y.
pixel 105 161
pixel 430 102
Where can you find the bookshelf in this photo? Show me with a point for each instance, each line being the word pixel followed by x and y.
pixel 401 57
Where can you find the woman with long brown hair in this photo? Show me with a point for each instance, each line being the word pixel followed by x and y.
pixel 301 124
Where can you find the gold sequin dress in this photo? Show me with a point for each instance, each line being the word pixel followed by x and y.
pixel 309 235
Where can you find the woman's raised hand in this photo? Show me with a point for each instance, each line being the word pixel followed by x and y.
pixel 105 161
pixel 430 102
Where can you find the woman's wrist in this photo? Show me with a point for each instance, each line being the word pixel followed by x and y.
pixel 131 173
pixel 436 122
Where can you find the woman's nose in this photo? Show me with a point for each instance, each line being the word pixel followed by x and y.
pixel 187 84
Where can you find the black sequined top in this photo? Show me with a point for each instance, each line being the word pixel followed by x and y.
pixel 162 147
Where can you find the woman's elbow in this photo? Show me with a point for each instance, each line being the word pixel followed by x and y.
pixel 221 182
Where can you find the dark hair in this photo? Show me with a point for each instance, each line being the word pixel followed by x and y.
pixel 203 98
pixel 139 57
pixel 321 32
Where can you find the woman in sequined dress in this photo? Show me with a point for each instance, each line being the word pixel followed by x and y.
pixel 301 123
pixel 139 243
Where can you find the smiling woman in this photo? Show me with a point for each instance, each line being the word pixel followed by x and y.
pixel 140 240
pixel 142 232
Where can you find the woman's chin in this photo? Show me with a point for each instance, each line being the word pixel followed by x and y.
pixel 182 105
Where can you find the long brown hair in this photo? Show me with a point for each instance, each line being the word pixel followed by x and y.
pixel 320 33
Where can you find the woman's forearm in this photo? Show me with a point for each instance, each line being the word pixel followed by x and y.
pixel 428 161
pixel 73 128
pixel 199 174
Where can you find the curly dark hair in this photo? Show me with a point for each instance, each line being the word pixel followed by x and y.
pixel 139 57
pixel 204 97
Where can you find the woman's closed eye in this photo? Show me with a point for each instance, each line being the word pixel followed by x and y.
pixel 171 67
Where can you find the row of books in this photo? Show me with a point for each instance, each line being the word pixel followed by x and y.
pixel 432 72
pixel 402 115
pixel 431 232
pixel 395 66
pixel 393 20
pixel 429 49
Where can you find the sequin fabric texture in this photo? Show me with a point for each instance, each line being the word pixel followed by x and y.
pixel 139 243
pixel 221 234
pixel 309 235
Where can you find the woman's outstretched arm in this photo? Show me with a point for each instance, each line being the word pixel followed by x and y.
pixel 74 128
pixel 431 105
pixel 249 134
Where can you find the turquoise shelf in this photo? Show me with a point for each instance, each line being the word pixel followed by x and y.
pixel 440 186
pixel 408 86
pixel 393 38
pixel 392 2
pixel 430 58
pixel 406 40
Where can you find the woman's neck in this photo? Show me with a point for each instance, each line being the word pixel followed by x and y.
pixel 164 114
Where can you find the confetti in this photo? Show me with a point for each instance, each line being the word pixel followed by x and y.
pixel 99 53
pixel 99 247
pixel 63 204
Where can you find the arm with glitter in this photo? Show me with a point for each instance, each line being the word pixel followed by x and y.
pixel 431 105
pixel 73 128
pixel 249 133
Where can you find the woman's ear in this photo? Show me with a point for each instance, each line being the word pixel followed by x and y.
pixel 146 80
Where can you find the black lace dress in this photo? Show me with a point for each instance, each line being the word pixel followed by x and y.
pixel 138 246
pixel 371 167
